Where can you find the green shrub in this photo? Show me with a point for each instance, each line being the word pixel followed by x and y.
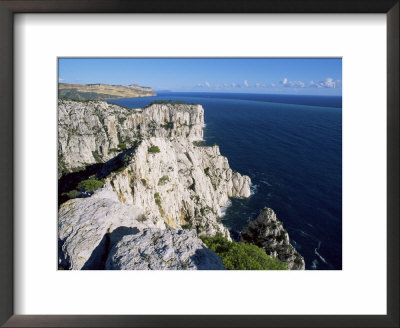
pixel 90 185
pixel 163 180
pixel 71 194
pixel 153 149
pixel 113 150
pixel 157 198
pixel 144 182
pixel 120 169
pixel 210 209
pixel 242 256
pixel 122 146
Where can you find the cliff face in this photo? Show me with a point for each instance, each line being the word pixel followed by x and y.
pixel 102 91
pixel 100 232
pixel 94 132
pixel 267 232
pixel 169 177
pixel 166 183
pixel 183 185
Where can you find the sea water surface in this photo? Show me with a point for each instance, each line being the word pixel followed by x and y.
pixel 291 147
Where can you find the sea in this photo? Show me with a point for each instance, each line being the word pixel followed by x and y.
pixel 291 147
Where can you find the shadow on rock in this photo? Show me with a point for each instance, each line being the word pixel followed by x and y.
pixel 205 259
pixel 97 260
pixel 64 261
pixel 70 181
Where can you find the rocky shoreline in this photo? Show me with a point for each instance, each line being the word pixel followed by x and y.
pixel 160 190
pixel 267 232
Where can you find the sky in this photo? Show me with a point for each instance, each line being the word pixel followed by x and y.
pixel 308 76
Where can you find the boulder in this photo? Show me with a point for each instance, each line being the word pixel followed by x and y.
pixel 267 232
pixel 162 250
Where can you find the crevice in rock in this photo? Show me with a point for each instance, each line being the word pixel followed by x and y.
pixel 70 181
pixel 64 261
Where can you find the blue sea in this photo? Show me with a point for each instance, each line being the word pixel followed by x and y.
pixel 291 147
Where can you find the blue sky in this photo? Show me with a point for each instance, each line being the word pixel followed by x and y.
pixel 319 76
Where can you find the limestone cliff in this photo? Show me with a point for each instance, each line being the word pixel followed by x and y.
pixel 95 131
pixel 181 184
pixel 267 232
pixel 165 182
pixel 171 179
pixel 100 232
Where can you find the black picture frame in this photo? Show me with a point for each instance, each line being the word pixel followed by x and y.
pixel 10 7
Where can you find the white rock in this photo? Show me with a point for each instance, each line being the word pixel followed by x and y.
pixel 179 185
pixel 162 250
pixel 182 184
pixel 90 132
pixel 84 222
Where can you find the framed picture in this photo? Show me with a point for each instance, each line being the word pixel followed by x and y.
pixel 175 158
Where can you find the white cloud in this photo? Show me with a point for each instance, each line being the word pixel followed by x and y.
pixel 206 84
pixel 297 84
pixel 246 84
pixel 327 83
pixel 292 84
pixel 60 79
pixel 234 85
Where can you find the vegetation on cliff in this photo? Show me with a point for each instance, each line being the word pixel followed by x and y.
pixel 242 256
pixel 152 165
pixel 167 102
pixel 101 91
pixel 90 185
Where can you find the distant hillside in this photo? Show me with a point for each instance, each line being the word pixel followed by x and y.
pixel 102 91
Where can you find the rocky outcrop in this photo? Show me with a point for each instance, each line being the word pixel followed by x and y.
pixel 267 232
pixel 102 233
pixel 181 184
pixel 162 188
pixel 162 249
pixel 174 181
pixel 95 131
pixel 85 223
